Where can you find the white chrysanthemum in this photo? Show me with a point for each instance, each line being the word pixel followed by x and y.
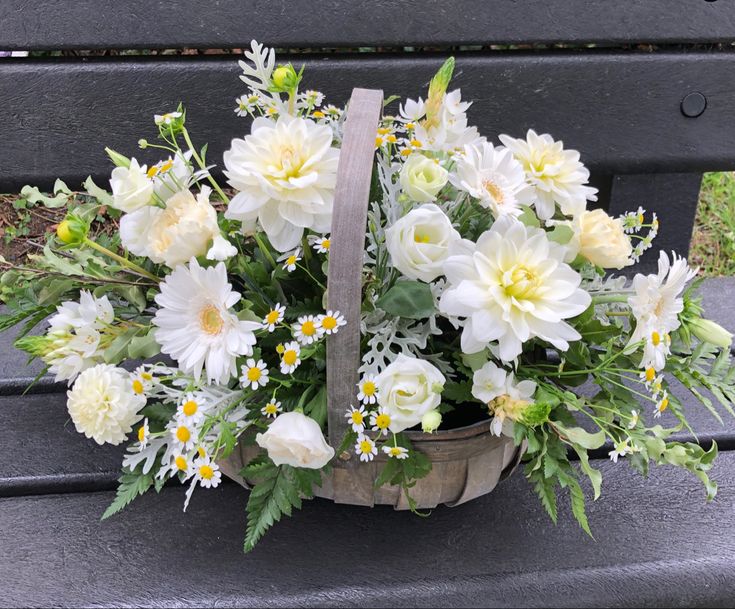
pixel 514 287
pixel 171 236
pixel 494 177
pixel 286 171
pixel 657 301
pixel 555 173
pixel 196 325
pixel 103 405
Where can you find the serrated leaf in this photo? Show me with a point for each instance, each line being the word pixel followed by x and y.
pixel 131 486
pixel 545 490
pixel 577 498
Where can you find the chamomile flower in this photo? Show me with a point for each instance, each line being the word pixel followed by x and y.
pixel 396 452
pixel 661 405
pixel 331 322
pixel 290 358
pixel 191 409
pixel 311 98
pixel 368 389
pixel 366 448
pixel 356 418
pixel 274 317
pixel 254 374
pixel 183 433
pixel 290 259
pixel 271 409
pixel 655 351
pixel 246 104
pixel 380 421
pixel 621 449
pixel 179 465
pixel 634 418
pixel 144 434
pixel 207 472
pixel 307 330
pixel 166 119
pixel 320 244
pixel 143 381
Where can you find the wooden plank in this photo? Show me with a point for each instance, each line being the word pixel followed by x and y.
pixel 91 24
pixel 657 544
pixel 622 111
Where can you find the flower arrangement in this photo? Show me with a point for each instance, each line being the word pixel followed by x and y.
pixel 485 295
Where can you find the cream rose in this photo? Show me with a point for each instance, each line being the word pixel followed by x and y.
pixel 297 440
pixel 422 178
pixel 420 242
pixel 601 240
pixel 408 389
pixel 131 187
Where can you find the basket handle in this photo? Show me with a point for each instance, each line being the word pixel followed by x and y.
pixel 346 253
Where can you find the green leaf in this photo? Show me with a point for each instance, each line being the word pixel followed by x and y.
pixel 117 158
pixel 545 489
pixel 561 234
pixel 143 347
pixel 580 437
pixel 409 299
pixel 529 217
pixel 33 195
pixel 316 408
pixel 118 348
pixel 388 474
pixel 577 498
pixel 593 474
pixel 98 193
pixel 458 392
pixel 131 486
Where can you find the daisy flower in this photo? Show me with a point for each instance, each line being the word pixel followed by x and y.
pixel 183 433
pixel 179 465
pixel 254 374
pixel 366 448
pixel 290 259
pixel 656 350
pixel 356 418
pixel 621 449
pixel 271 409
pixel 142 380
pixel 166 119
pixel 661 405
pixel 191 409
pixel 331 322
pixel 246 104
pixel 396 452
pixel 207 472
pixel 634 418
pixel 320 244
pixel 274 317
pixel 368 390
pixel 307 330
pixel 380 421
pixel 144 433
pixel 290 358
pixel 196 324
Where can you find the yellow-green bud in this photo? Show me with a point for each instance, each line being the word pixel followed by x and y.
pixel 711 332
pixel 72 230
pixel 279 76
pixel 143 143
pixel 285 79
pixel 430 421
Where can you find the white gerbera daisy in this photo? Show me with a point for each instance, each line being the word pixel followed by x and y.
pixel 356 418
pixel 396 452
pixel 196 325
pixel 286 171
pixel 290 358
pixel 271 409
pixel 290 259
pixel 331 322
pixel 368 389
pixel 307 330
pixel 556 174
pixel 657 301
pixel 365 448
pixel 514 287
pixel 494 177
pixel 254 374
pixel 274 317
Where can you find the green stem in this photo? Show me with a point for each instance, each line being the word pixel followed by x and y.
pixel 314 279
pixel 201 164
pixel 266 252
pixel 123 261
pixel 605 298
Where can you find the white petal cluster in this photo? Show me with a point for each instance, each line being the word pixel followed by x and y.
pixel 103 405
pixel 514 287
pixel 285 172
pixel 297 440
pixel 196 324
pixel 422 178
pixel 131 187
pixel 506 398
pixel 601 240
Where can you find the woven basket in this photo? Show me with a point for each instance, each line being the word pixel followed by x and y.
pixel 467 462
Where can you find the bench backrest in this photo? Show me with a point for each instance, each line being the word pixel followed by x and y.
pixel 637 86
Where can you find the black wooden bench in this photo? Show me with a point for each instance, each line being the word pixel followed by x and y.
pixel 642 89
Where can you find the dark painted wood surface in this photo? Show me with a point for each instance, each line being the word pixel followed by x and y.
pixel 621 110
pixel 89 24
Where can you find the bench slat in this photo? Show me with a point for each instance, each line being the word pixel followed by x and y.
pixel 657 543
pixel 622 111
pixel 92 24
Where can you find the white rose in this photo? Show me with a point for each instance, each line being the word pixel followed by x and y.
pixel 131 187
pixel 408 389
pixel 422 178
pixel 601 240
pixel 420 242
pixel 103 405
pixel 297 440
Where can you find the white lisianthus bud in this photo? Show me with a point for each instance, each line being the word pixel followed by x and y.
pixel 430 421
pixel 420 242
pixel 711 332
pixel 407 391
pixel 131 187
pixel 422 178
pixel 601 240
pixel 297 440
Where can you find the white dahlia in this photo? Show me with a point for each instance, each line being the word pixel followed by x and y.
pixel 494 177
pixel 196 325
pixel 286 171
pixel 103 405
pixel 514 287
pixel 556 174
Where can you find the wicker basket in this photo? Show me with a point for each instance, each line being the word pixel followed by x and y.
pixel 467 462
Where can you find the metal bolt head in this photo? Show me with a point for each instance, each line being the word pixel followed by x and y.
pixel 693 104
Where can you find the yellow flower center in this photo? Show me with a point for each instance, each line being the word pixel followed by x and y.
pixel 357 417
pixel 210 320
pixel 290 357
pixel 271 408
pixel 663 405
pixel 395 451
pixel 152 172
pixel 382 421
pixel 291 260
pixel 406 152
pixel 181 463
pixel 650 374
pixel 190 408
pixel 329 322
pixel 416 143
pixel 141 433
pixel 655 338
pixel 137 386
pixel 206 472
pixel 378 141
pixel 201 452
pixel 183 434
pixel 166 166
pixel 366 447
pixel 325 243
pixel 272 317
pixel 308 328
pixel 383 131
pixel 410 126
pixel 494 191
pixel 318 114
pixel 421 238
pixel 368 388
pixel 254 374
pixel 392 138
pixel 520 282
pixel 640 218
pixel 146 376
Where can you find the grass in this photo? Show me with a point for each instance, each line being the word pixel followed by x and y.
pixel 713 241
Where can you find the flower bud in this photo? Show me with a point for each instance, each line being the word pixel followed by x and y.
pixel 285 79
pixel 711 332
pixel 430 421
pixel 72 230
pixel 143 143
